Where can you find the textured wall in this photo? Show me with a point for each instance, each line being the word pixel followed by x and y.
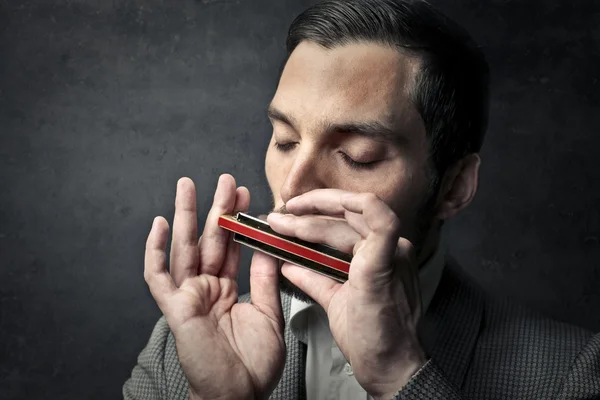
pixel 105 104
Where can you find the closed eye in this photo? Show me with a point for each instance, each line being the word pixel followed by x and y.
pixel 355 164
pixel 285 147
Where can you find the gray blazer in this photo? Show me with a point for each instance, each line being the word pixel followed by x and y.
pixel 480 348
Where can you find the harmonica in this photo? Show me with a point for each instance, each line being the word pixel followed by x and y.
pixel 258 235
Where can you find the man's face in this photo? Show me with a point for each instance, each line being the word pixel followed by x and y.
pixel 334 108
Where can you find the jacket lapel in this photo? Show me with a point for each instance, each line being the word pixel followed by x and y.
pixel 450 328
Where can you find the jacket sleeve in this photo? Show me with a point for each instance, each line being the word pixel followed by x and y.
pixel 428 383
pixel 581 383
pixel 158 374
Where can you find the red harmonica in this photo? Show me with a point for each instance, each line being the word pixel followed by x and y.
pixel 257 234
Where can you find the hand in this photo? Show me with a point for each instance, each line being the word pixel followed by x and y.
pixel 373 316
pixel 227 350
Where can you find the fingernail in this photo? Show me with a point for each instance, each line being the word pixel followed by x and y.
pixel 291 201
pixel 262 217
pixel 219 184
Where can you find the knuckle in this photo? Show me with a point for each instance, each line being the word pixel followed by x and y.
pixel 211 266
pixel 392 221
pixel 147 276
pixel 216 238
pixel 388 222
pixel 371 199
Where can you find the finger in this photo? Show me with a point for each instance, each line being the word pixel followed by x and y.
pixel 157 277
pixel 231 265
pixel 381 221
pixel 405 266
pixel 332 232
pixel 213 245
pixel 264 286
pixel 327 202
pixel 357 222
pixel 378 216
pixel 318 201
pixel 184 252
pixel 319 287
pixel 372 265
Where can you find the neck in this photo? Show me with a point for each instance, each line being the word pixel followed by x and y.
pixel 429 246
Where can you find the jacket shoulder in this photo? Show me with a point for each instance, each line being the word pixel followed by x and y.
pixel 522 353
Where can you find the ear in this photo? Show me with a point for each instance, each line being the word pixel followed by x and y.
pixel 458 187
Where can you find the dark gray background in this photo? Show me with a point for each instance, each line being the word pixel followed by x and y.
pixel 105 104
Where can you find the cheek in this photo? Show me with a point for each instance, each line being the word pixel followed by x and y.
pixel 396 184
pixel 405 196
pixel 274 170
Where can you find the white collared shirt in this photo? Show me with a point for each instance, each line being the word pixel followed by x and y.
pixel 328 375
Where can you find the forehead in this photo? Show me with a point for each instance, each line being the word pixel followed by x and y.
pixel 348 82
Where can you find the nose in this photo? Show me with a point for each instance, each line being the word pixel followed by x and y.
pixel 304 175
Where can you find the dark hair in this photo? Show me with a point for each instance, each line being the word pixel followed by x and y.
pixel 451 88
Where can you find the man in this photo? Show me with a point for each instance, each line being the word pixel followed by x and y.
pixel 378 120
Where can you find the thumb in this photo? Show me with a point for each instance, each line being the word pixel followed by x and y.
pixel 319 287
pixel 264 286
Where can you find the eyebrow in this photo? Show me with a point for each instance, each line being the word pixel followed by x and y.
pixel 375 130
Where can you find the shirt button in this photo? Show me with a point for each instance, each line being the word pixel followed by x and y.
pixel 348 369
